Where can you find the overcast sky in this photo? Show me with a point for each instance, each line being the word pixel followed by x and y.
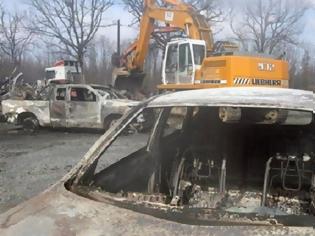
pixel 308 35
pixel 118 12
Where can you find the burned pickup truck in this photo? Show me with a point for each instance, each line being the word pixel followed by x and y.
pixel 70 106
pixel 232 161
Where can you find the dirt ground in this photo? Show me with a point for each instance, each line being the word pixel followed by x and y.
pixel 31 163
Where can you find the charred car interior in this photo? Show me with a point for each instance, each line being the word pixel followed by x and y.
pixel 212 165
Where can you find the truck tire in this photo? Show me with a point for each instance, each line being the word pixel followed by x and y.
pixel 30 125
pixel 110 121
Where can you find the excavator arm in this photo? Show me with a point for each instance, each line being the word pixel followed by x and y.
pixel 176 14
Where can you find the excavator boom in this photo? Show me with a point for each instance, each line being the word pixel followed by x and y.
pixel 181 15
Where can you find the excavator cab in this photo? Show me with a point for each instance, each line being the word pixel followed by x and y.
pixel 186 66
pixel 182 59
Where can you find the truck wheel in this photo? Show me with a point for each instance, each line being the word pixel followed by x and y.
pixel 110 121
pixel 30 125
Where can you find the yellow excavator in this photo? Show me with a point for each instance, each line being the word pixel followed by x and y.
pixel 194 61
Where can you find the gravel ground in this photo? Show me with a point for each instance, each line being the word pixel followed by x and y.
pixel 31 163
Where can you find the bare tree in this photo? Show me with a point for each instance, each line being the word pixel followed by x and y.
pixel 135 8
pixel 210 9
pixel 266 24
pixel 73 23
pixel 15 36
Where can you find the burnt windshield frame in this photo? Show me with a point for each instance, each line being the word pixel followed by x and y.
pixel 111 135
pixel 101 146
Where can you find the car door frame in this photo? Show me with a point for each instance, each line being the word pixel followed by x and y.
pixel 58 108
pixel 84 114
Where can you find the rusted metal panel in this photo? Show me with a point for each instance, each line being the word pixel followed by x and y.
pixel 84 114
pixel 58 114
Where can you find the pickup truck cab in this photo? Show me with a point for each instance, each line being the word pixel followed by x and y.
pixel 69 106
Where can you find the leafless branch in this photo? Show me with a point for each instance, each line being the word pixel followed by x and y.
pixel 268 24
pixel 73 23
pixel 15 35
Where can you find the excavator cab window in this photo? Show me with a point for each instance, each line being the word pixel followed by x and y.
pixel 185 59
pixel 185 64
pixel 171 61
pixel 171 65
pixel 199 53
pixel 181 61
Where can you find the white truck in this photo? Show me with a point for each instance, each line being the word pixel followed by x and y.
pixel 69 106
pixel 63 70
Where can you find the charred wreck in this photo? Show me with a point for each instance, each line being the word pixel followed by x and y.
pixel 233 161
pixel 225 156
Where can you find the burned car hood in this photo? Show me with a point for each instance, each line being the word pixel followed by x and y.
pixel 122 102
pixel 60 212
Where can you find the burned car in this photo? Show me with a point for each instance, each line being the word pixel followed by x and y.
pixel 69 106
pixel 218 161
